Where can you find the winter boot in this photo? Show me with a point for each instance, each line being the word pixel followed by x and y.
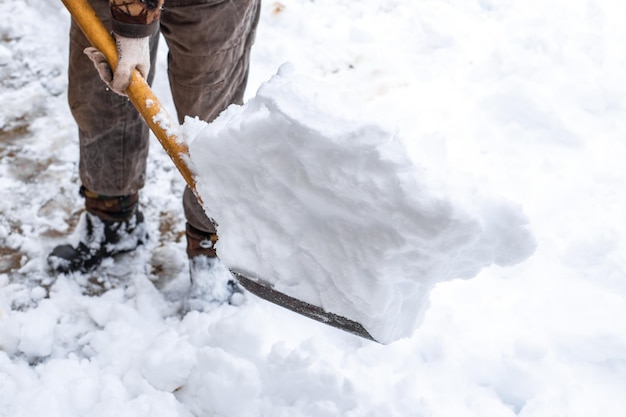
pixel 110 226
pixel 211 282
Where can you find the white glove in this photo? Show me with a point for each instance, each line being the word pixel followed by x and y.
pixel 133 53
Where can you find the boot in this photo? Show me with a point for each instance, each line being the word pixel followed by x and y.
pixel 200 243
pixel 110 226
pixel 212 283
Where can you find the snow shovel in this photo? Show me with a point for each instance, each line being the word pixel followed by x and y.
pixel 161 124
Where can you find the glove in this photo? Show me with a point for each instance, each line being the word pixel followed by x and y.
pixel 133 53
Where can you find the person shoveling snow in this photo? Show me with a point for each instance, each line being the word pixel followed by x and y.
pixel 325 216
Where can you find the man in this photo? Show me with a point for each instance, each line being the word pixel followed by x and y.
pixel 209 47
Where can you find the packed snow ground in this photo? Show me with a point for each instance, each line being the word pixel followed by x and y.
pixel 524 100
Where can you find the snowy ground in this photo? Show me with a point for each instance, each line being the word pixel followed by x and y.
pixel 524 101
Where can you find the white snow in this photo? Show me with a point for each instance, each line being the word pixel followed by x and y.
pixel 508 111
pixel 333 212
pixel 165 121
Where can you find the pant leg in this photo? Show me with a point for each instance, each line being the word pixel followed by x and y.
pixel 113 137
pixel 209 54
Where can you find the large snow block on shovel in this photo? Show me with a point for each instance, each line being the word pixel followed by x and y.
pixel 333 212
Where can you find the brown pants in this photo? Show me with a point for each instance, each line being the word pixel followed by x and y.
pixel 209 47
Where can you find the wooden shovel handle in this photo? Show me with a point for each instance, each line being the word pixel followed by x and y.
pixel 139 92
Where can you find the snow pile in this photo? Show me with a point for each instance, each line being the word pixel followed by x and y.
pixel 333 212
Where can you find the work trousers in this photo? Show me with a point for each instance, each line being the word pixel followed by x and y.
pixel 209 45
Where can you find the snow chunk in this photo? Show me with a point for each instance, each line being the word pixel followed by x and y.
pixel 332 211
pixel 168 363
pixel 37 331
pixel 226 380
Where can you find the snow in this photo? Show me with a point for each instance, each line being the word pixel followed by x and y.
pixel 508 111
pixel 333 212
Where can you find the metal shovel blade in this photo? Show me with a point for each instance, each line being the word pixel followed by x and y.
pixel 266 292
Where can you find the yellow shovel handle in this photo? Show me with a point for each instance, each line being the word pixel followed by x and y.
pixel 139 92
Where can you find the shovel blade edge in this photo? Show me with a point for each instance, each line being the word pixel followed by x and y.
pixel 266 292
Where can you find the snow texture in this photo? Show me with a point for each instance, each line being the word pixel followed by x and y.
pixel 506 109
pixel 333 212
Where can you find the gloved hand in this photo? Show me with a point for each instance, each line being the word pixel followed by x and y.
pixel 133 53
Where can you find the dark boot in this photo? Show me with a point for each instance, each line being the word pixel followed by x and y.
pixel 212 283
pixel 110 226
pixel 200 243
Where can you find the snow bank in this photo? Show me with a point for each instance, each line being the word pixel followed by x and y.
pixel 332 211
